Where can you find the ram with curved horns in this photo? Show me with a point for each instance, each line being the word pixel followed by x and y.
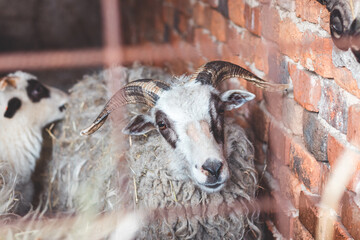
pixel 190 117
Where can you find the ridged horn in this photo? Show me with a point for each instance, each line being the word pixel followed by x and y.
pixel 145 91
pixel 215 72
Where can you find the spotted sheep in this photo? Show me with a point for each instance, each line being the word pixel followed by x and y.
pixel 198 166
pixel 26 107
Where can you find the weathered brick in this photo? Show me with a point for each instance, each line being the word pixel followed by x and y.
pixel 353 131
pixel 308 170
pixel 187 50
pixel 290 39
pixel 230 56
pixel 206 23
pixel 350 214
pixel 249 44
pixel 325 20
pixel 278 65
pixel 286 5
pixel 270 16
pixel 260 122
pixel 213 3
pixel 309 10
pixel 185 6
pixel 273 163
pixel 312 51
pixel 223 8
pixel 290 186
pixel 308 211
pixel 252 19
pixel 278 74
pixel 166 37
pixel 340 232
pixel 354 184
pixel 315 136
pixel 292 116
pixel 284 214
pixel 226 53
pixel 300 232
pixel 236 12
pixel 160 29
pixel 261 59
pixel 336 148
pixel 168 15
pixel 180 22
pixel 175 37
pixel 307 88
pixel 345 79
pixel 242 43
pixel 207 47
pixel 218 26
pixel 279 143
pixel 234 38
pixel 283 223
pixel 319 51
pixel 274 104
pixel 199 14
pixel 333 106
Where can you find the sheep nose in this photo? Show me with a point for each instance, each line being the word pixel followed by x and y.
pixel 213 167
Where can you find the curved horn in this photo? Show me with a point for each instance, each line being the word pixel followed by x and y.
pixel 145 91
pixel 217 71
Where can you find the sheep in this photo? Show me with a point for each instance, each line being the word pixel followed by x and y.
pixel 27 106
pixel 196 165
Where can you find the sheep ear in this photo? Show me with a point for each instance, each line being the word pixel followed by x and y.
pixel 8 81
pixel 139 125
pixel 13 105
pixel 236 98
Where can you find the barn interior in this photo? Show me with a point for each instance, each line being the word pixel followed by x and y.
pixel 300 137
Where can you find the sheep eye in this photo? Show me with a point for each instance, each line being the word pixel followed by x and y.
pixel 161 125
pixel 221 109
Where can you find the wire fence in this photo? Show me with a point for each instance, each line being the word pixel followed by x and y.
pixel 110 54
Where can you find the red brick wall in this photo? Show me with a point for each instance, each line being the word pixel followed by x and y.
pixel 299 136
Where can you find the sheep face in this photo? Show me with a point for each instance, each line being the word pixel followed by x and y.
pixel 190 118
pixel 30 102
pixel 26 107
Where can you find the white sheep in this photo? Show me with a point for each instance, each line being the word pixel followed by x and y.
pixel 26 106
pixel 194 162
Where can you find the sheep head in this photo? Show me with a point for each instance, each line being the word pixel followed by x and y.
pixel 189 116
pixel 23 97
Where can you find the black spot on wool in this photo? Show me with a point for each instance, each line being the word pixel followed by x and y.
pixel 14 104
pixel 36 91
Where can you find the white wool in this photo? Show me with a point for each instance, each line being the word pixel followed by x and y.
pixel 86 173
